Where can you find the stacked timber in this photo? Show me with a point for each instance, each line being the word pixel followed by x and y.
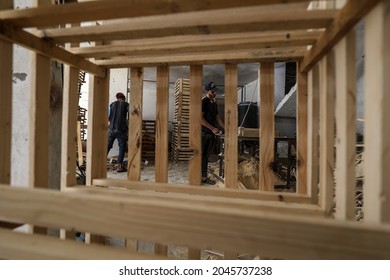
pixel 148 139
pixel 180 126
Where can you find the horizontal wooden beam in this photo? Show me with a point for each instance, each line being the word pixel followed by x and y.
pixel 201 58
pixel 232 203
pixel 200 43
pixel 114 9
pixel 254 19
pixel 352 12
pixel 48 49
pixel 20 246
pixel 195 190
pixel 249 231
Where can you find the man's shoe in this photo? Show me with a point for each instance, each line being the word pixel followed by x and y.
pixel 120 168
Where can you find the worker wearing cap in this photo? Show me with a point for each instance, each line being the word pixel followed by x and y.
pixel 211 124
pixel 118 128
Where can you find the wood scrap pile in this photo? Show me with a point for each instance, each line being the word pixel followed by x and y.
pixel 248 174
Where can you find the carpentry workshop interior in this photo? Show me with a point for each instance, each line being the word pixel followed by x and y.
pixel 299 169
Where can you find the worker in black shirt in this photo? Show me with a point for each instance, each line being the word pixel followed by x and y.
pixel 118 128
pixel 211 124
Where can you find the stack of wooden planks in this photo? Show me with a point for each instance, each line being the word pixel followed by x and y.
pixel 180 126
pixel 148 139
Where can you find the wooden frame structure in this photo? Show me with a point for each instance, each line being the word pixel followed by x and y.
pixel 162 33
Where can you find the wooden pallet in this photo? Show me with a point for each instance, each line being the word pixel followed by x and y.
pixel 180 129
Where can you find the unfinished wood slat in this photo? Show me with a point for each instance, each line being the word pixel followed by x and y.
pixel 267 127
pixel 302 121
pixel 97 128
pixel 195 162
pixel 327 125
pixel 162 111
pixel 114 9
pixel 199 43
pixel 19 246
pixel 203 226
pixel 179 188
pixel 39 122
pixel 346 127
pixel 135 124
pixel 199 200
pixel 261 18
pixel 313 134
pixel 231 124
pixel 69 126
pixel 344 21
pixel 6 58
pixel 48 49
pixel 377 102
pixel 200 58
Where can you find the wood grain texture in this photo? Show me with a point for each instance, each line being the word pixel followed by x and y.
pixel 162 118
pixel 97 128
pixel 194 168
pixel 313 134
pixel 377 101
pixel 267 126
pixel 114 9
pixel 19 246
pixel 346 127
pixel 327 131
pixel 178 188
pixel 252 19
pixel 69 127
pixel 302 122
pixel 217 227
pixel 231 124
pixel 135 124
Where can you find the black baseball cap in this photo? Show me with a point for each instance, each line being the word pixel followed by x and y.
pixel 211 86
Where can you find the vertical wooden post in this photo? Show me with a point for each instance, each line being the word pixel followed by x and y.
pixel 69 127
pixel 135 134
pixel 346 127
pixel 194 168
pixel 231 126
pixel 135 124
pixel 267 126
pixel 6 58
pixel 377 115
pixel 39 122
pixel 301 132
pixel 313 134
pixel 69 133
pixel 97 128
pixel 162 110
pixel 327 104
pixel 97 136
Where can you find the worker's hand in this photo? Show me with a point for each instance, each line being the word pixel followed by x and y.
pixel 215 130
